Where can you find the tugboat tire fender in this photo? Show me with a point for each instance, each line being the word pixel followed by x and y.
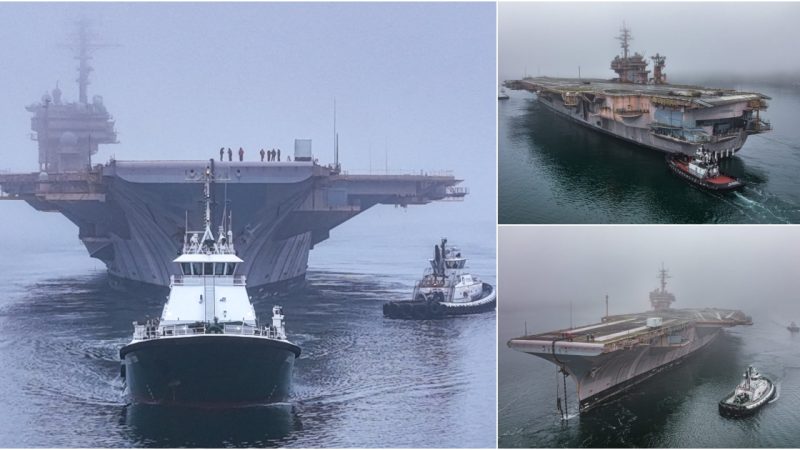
pixel 420 312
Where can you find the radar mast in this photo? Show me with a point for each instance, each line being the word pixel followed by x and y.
pixel 661 299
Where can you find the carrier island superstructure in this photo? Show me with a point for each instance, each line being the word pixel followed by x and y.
pixel 131 215
pixel 609 357
pixel 648 111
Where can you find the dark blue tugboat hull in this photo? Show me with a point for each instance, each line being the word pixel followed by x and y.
pixel 209 370
pixel 430 310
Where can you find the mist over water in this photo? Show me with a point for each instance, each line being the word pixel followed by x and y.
pixel 675 408
pixel 557 38
pixel 749 268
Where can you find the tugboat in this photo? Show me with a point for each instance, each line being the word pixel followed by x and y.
pixel 793 327
pixel 502 94
pixel 749 396
pixel 208 349
pixel 702 170
pixel 444 290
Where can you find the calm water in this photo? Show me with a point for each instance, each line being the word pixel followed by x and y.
pixel 677 408
pixel 362 381
pixel 554 171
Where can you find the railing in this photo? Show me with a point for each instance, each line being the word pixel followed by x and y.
pixel 758 126
pixel 398 172
pixel 632 111
pixel 455 193
pixel 151 330
pixel 221 280
pixel 680 134
pixel 726 135
pixel 446 291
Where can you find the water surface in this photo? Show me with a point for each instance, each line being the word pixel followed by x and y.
pixel 362 380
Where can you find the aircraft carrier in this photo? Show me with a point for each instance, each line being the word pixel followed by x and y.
pixel 131 215
pixel 648 111
pixel 606 358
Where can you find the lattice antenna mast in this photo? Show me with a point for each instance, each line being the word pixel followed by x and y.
pixel 624 38
pixel 85 43
pixel 663 275
pixel 335 139
pixel 208 236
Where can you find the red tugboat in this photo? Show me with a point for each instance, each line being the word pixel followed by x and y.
pixel 702 170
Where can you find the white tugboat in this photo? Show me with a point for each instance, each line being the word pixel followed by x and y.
pixel 793 328
pixel 445 290
pixel 502 94
pixel 751 394
pixel 208 349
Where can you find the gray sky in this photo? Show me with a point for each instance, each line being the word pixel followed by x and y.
pixel 553 39
pixel 418 79
pixel 754 268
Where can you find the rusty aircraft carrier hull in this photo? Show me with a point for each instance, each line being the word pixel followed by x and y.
pixel 668 118
pixel 608 358
pixel 131 215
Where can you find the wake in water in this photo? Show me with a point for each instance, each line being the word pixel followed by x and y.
pixel 777 393
pixel 756 206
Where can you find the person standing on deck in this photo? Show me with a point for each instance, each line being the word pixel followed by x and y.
pixel 279 155
pixel 221 153
pixel 241 154
pixel 230 154
pixel 262 155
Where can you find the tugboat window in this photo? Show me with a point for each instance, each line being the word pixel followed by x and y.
pixel 197 269
pixel 186 268
pixel 207 268
pixel 230 267
pixel 219 269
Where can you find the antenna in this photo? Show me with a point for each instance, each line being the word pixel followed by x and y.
pixel 335 138
pixel 85 44
pixel 624 38
pixel 207 234
pixel 207 192
pixel 186 230
pixel 663 274
pixel 606 306
pixel 224 202
pixel 570 315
